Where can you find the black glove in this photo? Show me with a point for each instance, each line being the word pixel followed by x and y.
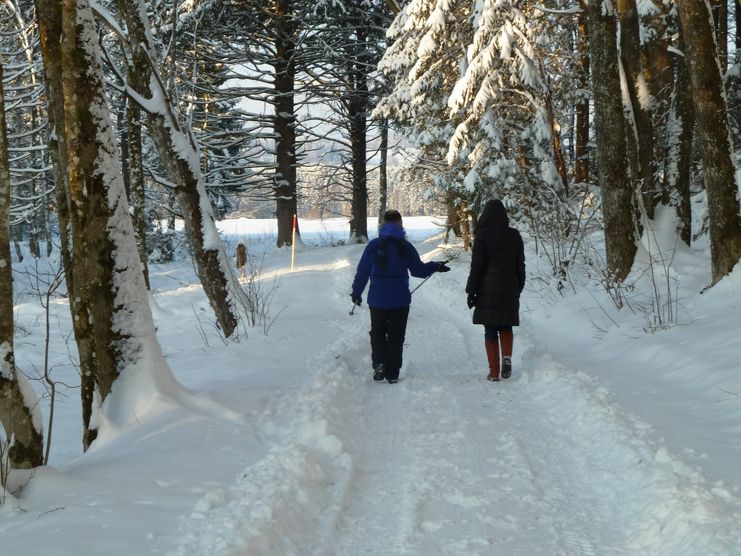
pixel 443 267
pixel 471 301
pixel 356 299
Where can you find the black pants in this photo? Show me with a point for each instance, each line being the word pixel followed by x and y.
pixel 388 327
pixel 492 332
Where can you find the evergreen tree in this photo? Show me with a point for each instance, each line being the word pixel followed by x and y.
pixel 422 64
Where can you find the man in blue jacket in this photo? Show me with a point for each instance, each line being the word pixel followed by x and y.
pixel 387 261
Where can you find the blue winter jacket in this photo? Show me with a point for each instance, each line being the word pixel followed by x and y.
pixel 387 261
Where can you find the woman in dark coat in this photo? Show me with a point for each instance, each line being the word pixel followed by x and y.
pixel 494 284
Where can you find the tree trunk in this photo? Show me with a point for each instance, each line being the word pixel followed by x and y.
pixel 557 145
pixel 285 124
pixel 180 158
pixel 359 220
pixel 465 226
pixel 453 223
pixel 720 19
pixel 38 220
pixel 640 131
pixel 581 151
pixel 714 137
pixel 658 73
pixel 16 412
pixel 676 192
pixel 136 182
pixel 612 152
pixel 357 113
pixel 383 171
pixel 49 16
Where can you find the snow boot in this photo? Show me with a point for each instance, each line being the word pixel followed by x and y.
pixel 492 354
pixel 378 372
pixel 506 367
pixel 507 339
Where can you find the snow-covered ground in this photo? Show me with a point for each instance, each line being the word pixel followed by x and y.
pixel 606 440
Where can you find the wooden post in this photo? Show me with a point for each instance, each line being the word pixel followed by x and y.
pixel 241 258
pixel 293 241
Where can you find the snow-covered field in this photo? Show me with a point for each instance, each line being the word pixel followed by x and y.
pixel 606 440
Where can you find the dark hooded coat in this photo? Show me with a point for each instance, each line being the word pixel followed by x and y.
pixel 497 273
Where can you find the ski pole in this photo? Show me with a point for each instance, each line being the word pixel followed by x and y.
pixel 352 311
pixel 420 284
pixel 425 280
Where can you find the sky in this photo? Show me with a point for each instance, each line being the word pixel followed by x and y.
pixel 616 434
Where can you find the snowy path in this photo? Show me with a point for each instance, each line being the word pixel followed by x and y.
pixel 446 463
pixel 453 464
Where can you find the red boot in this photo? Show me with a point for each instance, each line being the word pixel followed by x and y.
pixel 492 354
pixel 507 339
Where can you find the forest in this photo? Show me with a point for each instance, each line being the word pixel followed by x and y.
pixel 121 117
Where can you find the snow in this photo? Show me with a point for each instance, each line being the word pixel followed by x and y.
pixel 608 439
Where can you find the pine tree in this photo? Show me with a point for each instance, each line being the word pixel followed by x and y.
pixel 422 64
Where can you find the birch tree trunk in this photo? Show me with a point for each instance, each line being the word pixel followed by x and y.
pixel 711 113
pixel 17 404
pixel 180 158
pixel 612 151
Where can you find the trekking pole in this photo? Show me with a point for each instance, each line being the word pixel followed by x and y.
pixel 352 311
pixel 420 284
pixel 425 280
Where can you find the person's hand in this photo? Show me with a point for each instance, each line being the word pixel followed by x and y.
pixel 443 267
pixel 471 301
pixel 356 299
